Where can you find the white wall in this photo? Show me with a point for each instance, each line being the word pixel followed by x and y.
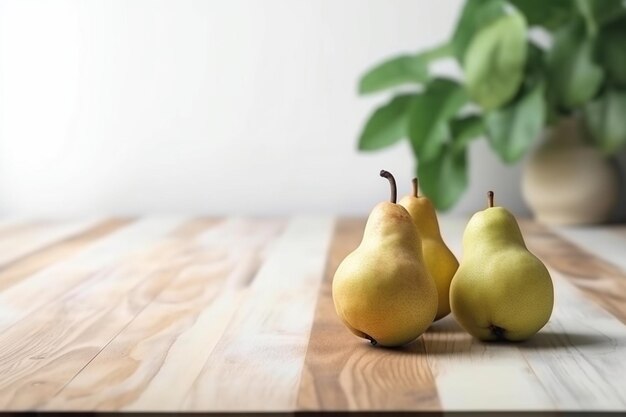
pixel 238 106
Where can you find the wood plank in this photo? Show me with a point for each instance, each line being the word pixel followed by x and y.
pixel 33 292
pixel 342 372
pixel 600 281
pixel 439 371
pixel 572 364
pixel 42 353
pixel 171 339
pixel 600 241
pixel 22 238
pixel 157 316
pixel 25 266
pixel 579 355
pixel 476 376
pixel 262 351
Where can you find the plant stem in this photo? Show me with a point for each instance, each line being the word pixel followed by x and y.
pixel 490 199
pixel 392 184
pixel 415 187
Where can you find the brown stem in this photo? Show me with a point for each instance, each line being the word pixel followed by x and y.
pixel 490 199
pixel 392 183
pixel 415 187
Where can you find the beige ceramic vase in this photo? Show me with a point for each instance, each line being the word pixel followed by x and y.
pixel 566 181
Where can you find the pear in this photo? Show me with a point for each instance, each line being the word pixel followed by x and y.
pixel 501 291
pixel 382 291
pixel 440 261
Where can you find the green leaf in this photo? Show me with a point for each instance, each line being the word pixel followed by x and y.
pixel 599 12
pixel 387 125
pixel 585 9
pixel 613 51
pixel 513 129
pixel 429 115
pixel 606 11
pixel 494 61
pixel 573 74
pixel 475 15
pixel 606 120
pixel 547 13
pixel 464 130
pixel 427 134
pixel 535 64
pixel 441 51
pixel 396 71
pixel 444 178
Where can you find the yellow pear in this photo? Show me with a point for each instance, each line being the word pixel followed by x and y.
pixel 440 261
pixel 501 290
pixel 383 291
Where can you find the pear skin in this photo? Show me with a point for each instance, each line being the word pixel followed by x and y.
pixel 382 291
pixel 439 259
pixel 501 291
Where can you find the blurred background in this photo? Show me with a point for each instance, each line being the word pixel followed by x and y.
pixel 210 107
pixel 220 107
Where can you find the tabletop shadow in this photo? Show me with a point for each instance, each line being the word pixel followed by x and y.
pixel 547 340
pixel 456 342
pixel 445 325
pixel 419 347
pixel 551 339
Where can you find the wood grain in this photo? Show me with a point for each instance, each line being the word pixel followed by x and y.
pixel 570 365
pixel 219 315
pixel 463 367
pixel 600 241
pixel 343 372
pixel 46 349
pixel 579 355
pixel 171 338
pixel 262 350
pixel 21 238
pixel 599 280
pixel 34 292
pixel 38 259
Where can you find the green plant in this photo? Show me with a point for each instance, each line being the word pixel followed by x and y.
pixel 511 86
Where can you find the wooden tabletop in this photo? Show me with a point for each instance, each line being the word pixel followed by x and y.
pixel 179 314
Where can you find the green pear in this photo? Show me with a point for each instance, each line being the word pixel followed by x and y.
pixel 382 291
pixel 501 291
pixel 440 261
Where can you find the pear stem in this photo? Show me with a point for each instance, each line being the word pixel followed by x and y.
pixel 490 199
pixel 415 187
pixel 371 339
pixel 392 183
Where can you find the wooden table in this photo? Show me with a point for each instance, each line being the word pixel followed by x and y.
pixel 179 314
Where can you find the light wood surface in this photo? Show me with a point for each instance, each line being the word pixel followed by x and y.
pixel 192 314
